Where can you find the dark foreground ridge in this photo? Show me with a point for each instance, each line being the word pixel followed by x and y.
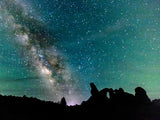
pixel 105 104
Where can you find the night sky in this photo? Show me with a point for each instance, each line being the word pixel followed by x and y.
pixel 55 48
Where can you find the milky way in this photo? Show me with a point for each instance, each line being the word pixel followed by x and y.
pixel 55 48
pixel 35 42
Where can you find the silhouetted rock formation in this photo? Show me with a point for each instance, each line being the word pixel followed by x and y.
pixel 63 102
pixel 141 95
pixel 94 90
pixel 106 104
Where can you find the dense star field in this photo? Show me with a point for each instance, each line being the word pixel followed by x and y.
pixel 55 48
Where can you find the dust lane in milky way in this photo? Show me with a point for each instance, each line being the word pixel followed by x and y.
pixel 51 49
pixel 36 44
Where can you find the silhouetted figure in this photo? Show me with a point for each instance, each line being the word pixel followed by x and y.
pixel 63 102
pixel 94 90
pixel 141 95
